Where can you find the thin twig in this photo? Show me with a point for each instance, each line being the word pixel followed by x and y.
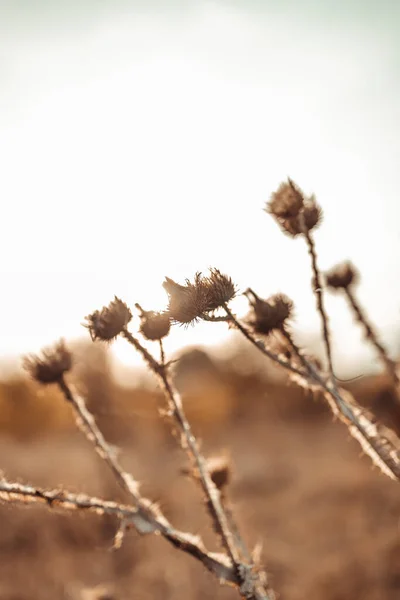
pixel 261 346
pixel 251 586
pixel 87 424
pixel 319 296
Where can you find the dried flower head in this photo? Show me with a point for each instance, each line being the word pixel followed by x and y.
pixel 286 202
pixel 268 315
pixel 190 302
pixel 312 213
pixel 341 276
pixel 51 365
pixel 109 322
pixel 153 325
pixel 220 289
pixel 186 302
pixel 293 211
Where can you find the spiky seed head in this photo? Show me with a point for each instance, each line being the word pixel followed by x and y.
pixel 287 201
pixel 269 315
pixel 51 365
pixel 341 276
pixel 154 325
pixel 312 213
pixel 106 324
pixel 186 302
pixel 192 301
pixel 292 216
pixel 220 289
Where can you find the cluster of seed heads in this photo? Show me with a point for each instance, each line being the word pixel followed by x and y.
pixel 198 299
pixel 293 211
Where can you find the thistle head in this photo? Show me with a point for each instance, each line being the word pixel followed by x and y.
pixel 51 365
pixel 341 276
pixel 293 211
pixel 190 302
pixel 106 324
pixel 286 202
pixel 153 325
pixel 268 315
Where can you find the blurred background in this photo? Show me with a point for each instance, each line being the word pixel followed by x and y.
pixel 143 139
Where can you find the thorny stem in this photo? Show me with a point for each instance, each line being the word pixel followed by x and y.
pixel 261 346
pixel 87 424
pixel 371 335
pixel 250 587
pixel 374 439
pixel 318 292
pixel 306 364
pixel 25 494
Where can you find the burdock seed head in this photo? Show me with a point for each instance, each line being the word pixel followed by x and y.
pixel 109 322
pixel 287 201
pixel 186 302
pixel 268 315
pixel 190 302
pixel 312 213
pixel 51 365
pixel 294 213
pixel 153 325
pixel 220 289
pixel 341 276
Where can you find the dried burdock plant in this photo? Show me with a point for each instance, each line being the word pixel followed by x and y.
pixel 213 290
pixel 109 322
pixel 308 217
pixel 293 211
pixel 381 444
pixel 297 215
pixel 51 365
pixel 154 325
pixel 286 202
pixel 148 517
pixel 343 277
pixel 268 315
pixel 196 300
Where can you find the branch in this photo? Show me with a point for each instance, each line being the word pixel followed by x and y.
pixel 319 296
pixel 380 443
pixel 251 585
pixel 216 563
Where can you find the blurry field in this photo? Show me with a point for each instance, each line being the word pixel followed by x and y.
pixel 329 524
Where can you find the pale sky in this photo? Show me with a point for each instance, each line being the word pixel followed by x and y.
pixel 142 139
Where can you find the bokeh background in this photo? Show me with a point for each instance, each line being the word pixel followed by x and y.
pixel 142 139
